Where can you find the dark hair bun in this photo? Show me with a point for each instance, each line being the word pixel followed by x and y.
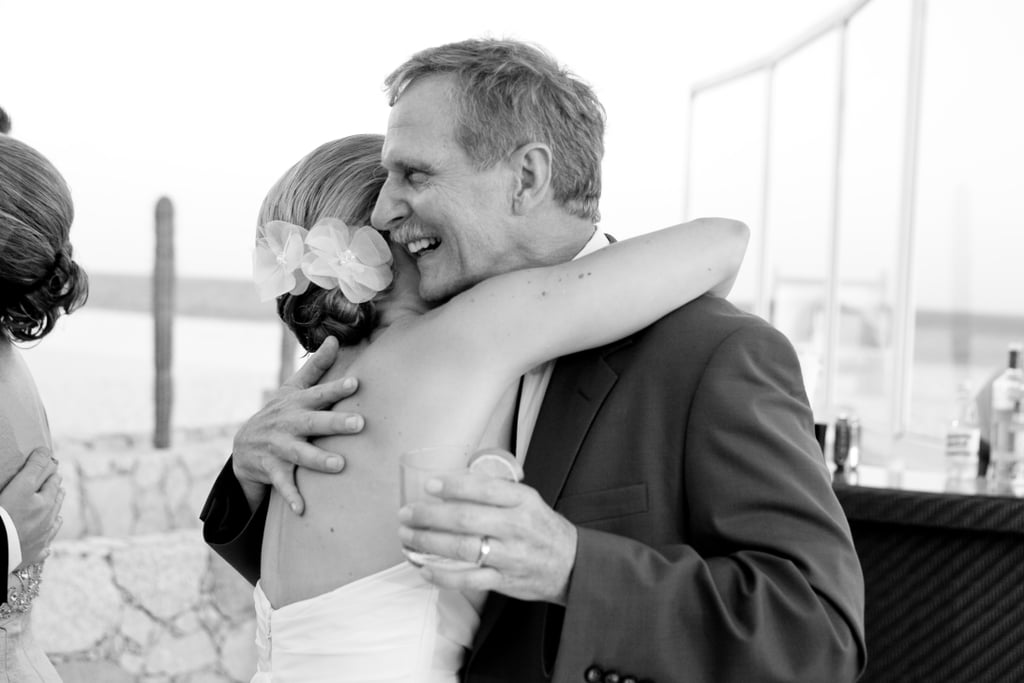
pixel 319 313
pixel 29 313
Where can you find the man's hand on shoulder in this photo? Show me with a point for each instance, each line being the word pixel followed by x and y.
pixel 272 442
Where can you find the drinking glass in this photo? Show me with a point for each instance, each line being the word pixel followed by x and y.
pixel 418 466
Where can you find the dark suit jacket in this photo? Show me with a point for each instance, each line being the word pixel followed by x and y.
pixel 712 548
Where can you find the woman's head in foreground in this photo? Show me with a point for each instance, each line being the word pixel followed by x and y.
pixel 302 218
pixel 39 280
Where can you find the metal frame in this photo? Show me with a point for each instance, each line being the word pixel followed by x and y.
pixel 903 341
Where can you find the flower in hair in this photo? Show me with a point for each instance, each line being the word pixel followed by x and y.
pixel 331 255
pixel 356 260
pixel 277 260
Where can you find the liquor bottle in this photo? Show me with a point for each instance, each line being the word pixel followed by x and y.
pixel 963 438
pixel 846 444
pixel 1006 436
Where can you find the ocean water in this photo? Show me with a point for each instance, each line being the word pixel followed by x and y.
pixel 95 371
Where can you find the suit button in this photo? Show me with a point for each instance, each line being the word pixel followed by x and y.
pixel 612 677
pixel 593 675
pixel 629 679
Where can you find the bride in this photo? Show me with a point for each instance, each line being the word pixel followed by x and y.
pixel 336 599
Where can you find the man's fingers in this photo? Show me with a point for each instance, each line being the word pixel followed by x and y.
pixel 443 525
pixel 315 366
pixel 482 579
pixel 282 477
pixel 475 488
pixel 312 458
pixel 325 423
pixel 327 394
pixel 443 543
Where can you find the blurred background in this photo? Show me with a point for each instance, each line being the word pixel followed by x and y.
pixel 873 147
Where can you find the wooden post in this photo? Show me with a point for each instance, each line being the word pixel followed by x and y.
pixel 163 316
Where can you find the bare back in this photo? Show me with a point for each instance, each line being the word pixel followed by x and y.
pixel 411 397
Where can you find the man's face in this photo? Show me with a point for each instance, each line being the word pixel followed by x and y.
pixel 453 218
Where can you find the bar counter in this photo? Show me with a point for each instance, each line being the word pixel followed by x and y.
pixel 944 576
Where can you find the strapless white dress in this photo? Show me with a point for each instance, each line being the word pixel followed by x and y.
pixel 389 627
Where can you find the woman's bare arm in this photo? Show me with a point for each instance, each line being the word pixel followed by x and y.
pixel 530 316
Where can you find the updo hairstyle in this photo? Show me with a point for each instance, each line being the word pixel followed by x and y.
pixel 38 278
pixel 339 179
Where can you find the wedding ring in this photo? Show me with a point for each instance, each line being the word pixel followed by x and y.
pixel 485 550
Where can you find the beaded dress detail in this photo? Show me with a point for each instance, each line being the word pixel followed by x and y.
pixel 23 588
pixel 21 658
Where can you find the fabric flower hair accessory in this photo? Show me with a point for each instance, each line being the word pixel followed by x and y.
pixel 277 260
pixel 331 255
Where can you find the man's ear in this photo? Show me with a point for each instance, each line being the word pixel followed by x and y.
pixel 531 167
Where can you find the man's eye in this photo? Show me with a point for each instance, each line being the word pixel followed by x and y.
pixel 415 177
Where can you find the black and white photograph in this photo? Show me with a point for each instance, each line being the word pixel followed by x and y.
pixel 540 342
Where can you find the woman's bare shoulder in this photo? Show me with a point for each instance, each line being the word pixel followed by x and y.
pixel 23 423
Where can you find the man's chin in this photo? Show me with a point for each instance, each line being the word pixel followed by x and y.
pixel 435 289
pixel 435 295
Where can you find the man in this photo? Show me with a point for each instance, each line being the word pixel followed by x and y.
pixel 685 527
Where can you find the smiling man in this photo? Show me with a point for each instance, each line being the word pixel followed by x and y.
pixel 452 211
pixel 686 528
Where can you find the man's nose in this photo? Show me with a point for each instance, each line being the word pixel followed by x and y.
pixel 390 211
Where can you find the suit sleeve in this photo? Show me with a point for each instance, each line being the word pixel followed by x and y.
pixel 230 528
pixel 767 586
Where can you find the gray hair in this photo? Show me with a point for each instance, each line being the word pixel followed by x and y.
pixel 510 93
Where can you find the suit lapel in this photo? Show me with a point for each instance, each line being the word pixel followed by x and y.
pixel 578 387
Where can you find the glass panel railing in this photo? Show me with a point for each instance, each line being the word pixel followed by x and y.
pixel 869 211
pixel 800 205
pixel 726 181
pixel 968 275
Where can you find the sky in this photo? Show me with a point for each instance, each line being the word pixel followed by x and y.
pixel 208 102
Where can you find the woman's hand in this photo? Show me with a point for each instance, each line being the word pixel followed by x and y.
pixel 33 499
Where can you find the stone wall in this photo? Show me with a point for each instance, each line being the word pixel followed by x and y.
pixel 130 592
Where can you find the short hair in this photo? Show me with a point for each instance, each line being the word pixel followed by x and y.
pixel 509 93
pixel 38 277
pixel 339 179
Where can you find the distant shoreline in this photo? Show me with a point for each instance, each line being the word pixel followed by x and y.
pixel 941 335
pixel 194 296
